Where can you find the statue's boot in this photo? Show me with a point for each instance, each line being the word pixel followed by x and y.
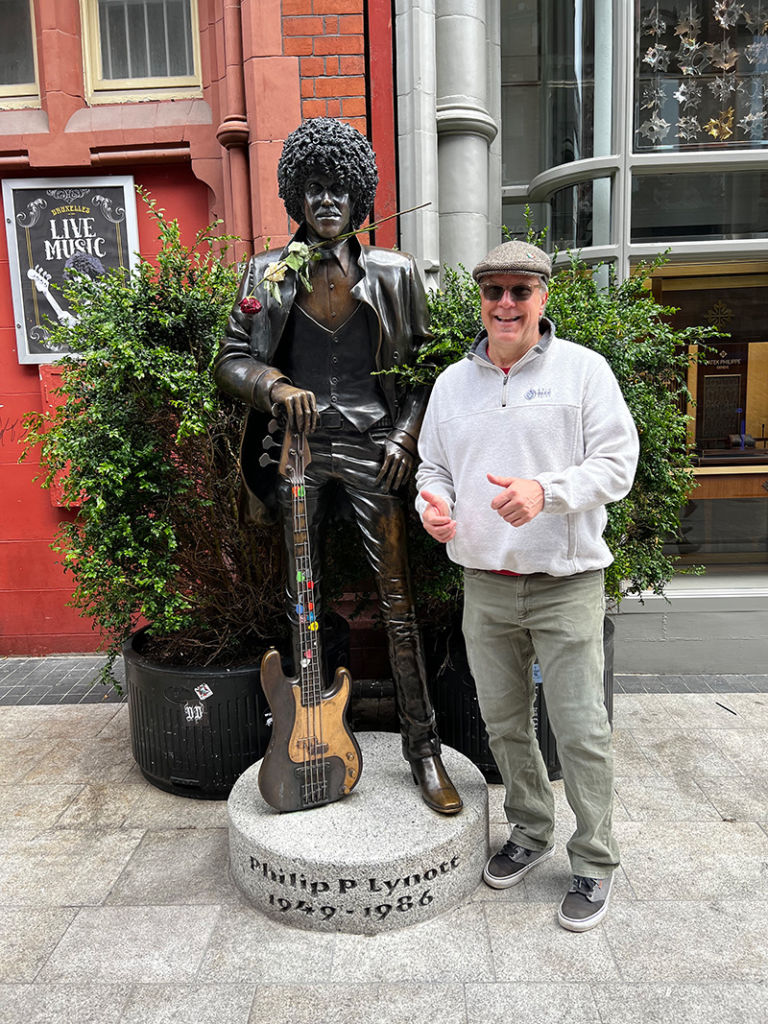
pixel 437 790
pixel 421 744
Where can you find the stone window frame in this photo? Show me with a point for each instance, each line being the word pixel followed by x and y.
pixel 101 90
pixel 23 94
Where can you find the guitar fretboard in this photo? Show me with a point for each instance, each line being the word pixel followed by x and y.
pixel 314 786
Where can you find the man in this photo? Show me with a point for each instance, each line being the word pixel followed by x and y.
pixel 523 444
pixel 311 355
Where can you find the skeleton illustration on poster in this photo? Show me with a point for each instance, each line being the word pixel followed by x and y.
pixel 57 228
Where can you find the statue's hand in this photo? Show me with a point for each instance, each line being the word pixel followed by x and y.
pixel 297 405
pixel 397 466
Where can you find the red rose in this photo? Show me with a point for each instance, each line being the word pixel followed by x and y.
pixel 250 305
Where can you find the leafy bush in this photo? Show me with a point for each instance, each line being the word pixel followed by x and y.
pixel 150 451
pixel 650 360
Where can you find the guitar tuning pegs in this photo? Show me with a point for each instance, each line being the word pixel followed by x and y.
pixel 273 426
pixel 266 460
pixel 267 443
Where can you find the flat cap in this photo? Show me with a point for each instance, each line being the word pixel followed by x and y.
pixel 514 258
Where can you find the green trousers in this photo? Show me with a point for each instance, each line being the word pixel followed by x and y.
pixel 509 621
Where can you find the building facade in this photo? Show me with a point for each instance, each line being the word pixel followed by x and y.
pixel 627 128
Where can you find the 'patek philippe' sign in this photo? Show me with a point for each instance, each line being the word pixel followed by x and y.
pixel 56 228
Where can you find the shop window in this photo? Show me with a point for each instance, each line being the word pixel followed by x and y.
pixel 556 84
pixel 18 72
pixel 697 206
pixel 726 520
pixel 700 75
pixel 574 217
pixel 141 49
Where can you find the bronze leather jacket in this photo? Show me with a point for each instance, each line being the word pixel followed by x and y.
pixel 390 286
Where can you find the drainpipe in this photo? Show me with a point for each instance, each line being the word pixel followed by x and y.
pixel 233 132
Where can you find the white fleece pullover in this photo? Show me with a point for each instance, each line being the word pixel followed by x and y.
pixel 558 417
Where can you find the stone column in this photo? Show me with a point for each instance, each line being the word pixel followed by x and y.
pixel 465 128
pixel 417 132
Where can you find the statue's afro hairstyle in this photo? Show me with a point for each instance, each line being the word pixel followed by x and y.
pixel 338 150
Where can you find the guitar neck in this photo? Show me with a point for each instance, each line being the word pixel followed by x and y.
pixel 309 668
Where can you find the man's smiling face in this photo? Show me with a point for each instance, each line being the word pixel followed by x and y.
pixel 511 320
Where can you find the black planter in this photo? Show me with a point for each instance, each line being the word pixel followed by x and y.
pixel 457 712
pixel 185 742
pixel 194 731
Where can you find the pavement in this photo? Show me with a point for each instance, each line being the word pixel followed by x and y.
pixel 116 905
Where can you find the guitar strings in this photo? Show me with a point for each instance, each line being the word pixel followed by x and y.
pixel 308 628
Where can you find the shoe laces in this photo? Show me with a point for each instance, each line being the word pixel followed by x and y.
pixel 511 849
pixel 584 885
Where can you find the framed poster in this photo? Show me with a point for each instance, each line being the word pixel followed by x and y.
pixel 55 227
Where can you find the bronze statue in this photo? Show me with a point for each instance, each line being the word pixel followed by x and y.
pixel 311 354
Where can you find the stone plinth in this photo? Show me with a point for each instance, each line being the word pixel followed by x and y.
pixel 376 860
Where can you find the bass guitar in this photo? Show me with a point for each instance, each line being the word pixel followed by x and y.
pixel 312 757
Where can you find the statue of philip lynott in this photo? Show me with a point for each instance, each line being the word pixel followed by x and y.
pixel 312 353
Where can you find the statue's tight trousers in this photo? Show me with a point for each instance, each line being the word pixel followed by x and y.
pixel 350 460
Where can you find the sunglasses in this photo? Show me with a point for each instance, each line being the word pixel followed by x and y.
pixel 519 292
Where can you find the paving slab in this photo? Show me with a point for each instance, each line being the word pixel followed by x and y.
pixel 738 797
pixel 86 760
pixel 359 1004
pixel 530 946
pixel 188 1004
pixel 246 946
pixel 698 861
pixel 158 809
pixel 74 723
pixel 62 867
pixel 132 944
pixel 536 1003
pixel 62 1004
pixel 27 939
pixel 682 1004
pixel 453 947
pixel 688 941
pixel 103 805
pixel 34 807
pixel 659 798
pixel 176 866
pixel 22 757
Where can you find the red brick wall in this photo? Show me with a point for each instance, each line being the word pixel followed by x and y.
pixel 328 37
pixel 34 590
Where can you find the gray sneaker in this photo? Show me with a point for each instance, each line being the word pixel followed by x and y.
pixel 511 863
pixel 585 904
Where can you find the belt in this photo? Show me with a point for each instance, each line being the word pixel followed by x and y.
pixel 332 419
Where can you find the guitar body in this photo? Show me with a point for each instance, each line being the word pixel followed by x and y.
pixel 312 757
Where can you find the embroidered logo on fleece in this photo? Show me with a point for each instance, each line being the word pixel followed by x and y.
pixel 537 393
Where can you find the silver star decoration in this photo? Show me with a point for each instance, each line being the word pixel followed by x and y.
pixel 757 53
pixel 688 94
pixel 723 55
pixel 688 26
pixel 688 128
pixel 754 124
pixel 757 24
pixel 722 87
pixel 728 12
pixel 655 129
pixel 653 23
pixel 657 57
pixel 652 97
pixel 691 58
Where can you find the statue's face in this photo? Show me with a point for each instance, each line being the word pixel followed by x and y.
pixel 326 207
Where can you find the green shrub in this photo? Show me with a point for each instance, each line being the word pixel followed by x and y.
pixel 150 450
pixel 650 360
